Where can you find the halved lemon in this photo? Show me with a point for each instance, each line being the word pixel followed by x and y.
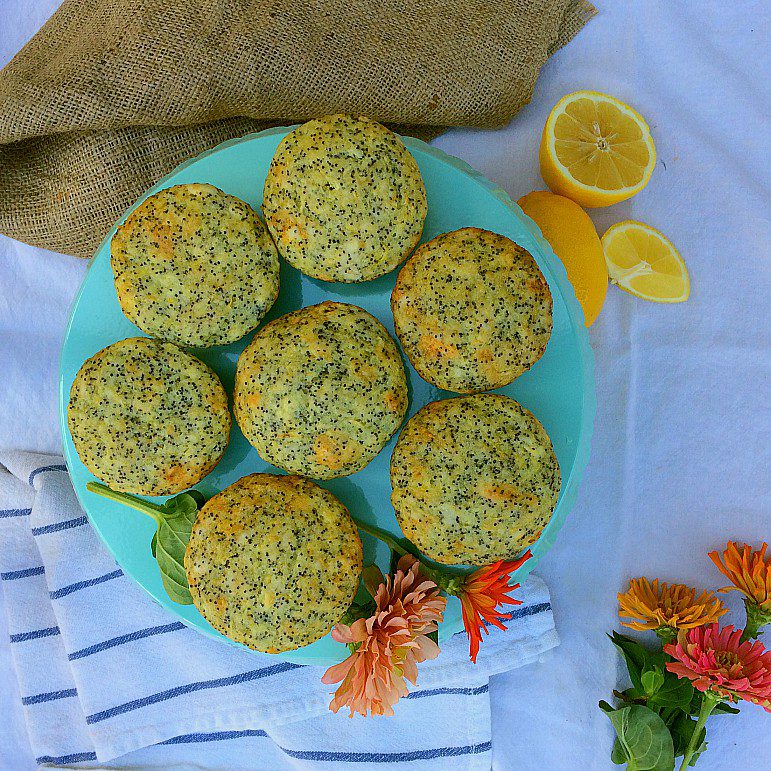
pixel 596 150
pixel 645 263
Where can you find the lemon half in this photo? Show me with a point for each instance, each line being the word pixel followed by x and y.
pixel 596 150
pixel 572 235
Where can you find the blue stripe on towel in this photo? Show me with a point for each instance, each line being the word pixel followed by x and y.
pixel 216 736
pixel 12 575
pixel 202 685
pixel 388 757
pixel 529 610
pixel 58 467
pixel 15 513
pixel 57 526
pixel 51 696
pixel 65 590
pixel 125 638
pixel 63 760
pixel 449 691
pixel 51 631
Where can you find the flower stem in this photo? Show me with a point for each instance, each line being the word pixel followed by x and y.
pixel 708 703
pixel 382 535
pixel 151 509
pixel 756 619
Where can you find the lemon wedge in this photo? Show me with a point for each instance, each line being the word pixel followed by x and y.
pixel 645 263
pixel 596 150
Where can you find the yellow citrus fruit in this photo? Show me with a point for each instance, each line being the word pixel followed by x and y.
pixel 596 150
pixel 644 263
pixel 571 234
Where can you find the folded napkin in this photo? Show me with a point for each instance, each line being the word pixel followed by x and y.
pixel 111 95
pixel 106 673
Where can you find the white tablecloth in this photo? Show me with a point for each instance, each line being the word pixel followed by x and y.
pixel 681 446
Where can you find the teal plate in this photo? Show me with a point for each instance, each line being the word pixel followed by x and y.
pixel 559 389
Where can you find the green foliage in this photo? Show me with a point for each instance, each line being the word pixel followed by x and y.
pixel 175 524
pixel 681 727
pixel 643 741
pixel 175 520
pixel 655 693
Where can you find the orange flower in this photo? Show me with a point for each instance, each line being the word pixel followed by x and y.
pixel 388 646
pixel 666 607
pixel 716 661
pixel 480 595
pixel 748 570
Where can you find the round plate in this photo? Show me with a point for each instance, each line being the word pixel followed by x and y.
pixel 559 389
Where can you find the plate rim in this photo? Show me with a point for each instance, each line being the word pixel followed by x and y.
pixel 575 313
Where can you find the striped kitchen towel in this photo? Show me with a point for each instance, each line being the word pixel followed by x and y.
pixel 106 673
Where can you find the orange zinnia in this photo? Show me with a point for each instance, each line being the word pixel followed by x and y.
pixel 480 595
pixel 664 607
pixel 388 646
pixel 750 573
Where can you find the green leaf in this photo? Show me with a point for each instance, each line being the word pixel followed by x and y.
pixel 645 743
pixel 681 728
pixel 652 680
pixel 174 528
pixel 635 655
pixel 674 692
pixel 372 577
pixel 175 520
pixel 618 753
pixel 724 708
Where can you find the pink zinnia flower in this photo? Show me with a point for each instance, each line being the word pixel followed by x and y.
pixel 715 660
pixel 389 645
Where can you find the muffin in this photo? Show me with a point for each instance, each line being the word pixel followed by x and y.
pixel 472 310
pixel 194 266
pixel 320 391
pixel 475 479
pixel 344 199
pixel 273 562
pixel 148 418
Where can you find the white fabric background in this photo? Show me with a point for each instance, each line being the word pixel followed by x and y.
pixel 681 447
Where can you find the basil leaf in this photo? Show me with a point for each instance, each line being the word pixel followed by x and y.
pixel 174 528
pixel 644 741
pixel 175 520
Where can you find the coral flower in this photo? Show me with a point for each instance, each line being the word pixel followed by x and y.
pixel 387 646
pixel 664 607
pixel 715 660
pixel 749 571
pixel 480 595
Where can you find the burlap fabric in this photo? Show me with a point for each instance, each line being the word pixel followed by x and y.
pixel 111 95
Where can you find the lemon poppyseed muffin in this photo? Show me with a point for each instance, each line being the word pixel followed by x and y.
pixel 344 199
pixel 474 479
pixel 194 266
pixel 472 310
pixel 273 562
pixel 320 391
pixel 148 418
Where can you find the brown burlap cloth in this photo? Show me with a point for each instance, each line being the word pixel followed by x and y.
pixel 110 95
